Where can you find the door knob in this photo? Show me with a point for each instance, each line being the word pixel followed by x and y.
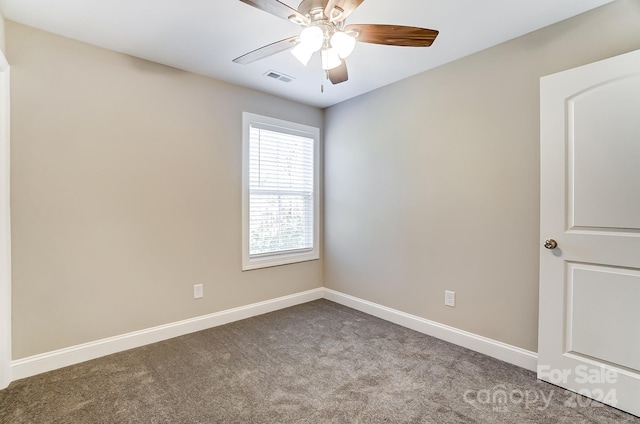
pixel 550 244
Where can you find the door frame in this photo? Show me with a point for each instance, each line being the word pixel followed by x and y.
pixel 5 228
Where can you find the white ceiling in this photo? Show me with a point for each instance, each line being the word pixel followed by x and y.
pixel 204 36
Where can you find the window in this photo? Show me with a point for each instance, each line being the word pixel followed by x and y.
pixel 280 205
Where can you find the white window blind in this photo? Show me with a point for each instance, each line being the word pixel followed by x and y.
pixel 280 192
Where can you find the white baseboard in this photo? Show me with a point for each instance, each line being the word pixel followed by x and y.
pixel 49 361
pixel 505 352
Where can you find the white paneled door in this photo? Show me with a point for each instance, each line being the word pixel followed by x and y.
pixel 589 330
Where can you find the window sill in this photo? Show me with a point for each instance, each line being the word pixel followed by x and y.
pixel 249 264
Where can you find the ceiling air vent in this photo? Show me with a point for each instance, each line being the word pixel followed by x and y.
pixel 278 76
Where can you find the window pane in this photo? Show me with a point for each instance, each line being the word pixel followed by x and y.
pixel 280 223
pixel 280 192
pixel 280 161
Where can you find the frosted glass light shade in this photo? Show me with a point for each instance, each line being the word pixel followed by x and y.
pixel 302 53
pixel 343 43
pixel 312 37
pixel 330 59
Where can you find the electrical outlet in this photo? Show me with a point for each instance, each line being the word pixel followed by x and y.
pixel 450 298
pixel 198 291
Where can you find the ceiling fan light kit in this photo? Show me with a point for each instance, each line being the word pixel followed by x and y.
pixel 312 38
pixel 330 59
pixel 302 53
pixel 344 43
pixel 333 43
pixel 325 31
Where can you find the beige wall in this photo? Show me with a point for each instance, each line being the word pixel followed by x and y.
pixel 432 183
pixel 126 180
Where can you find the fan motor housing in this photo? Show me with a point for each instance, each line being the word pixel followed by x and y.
pixel 306 6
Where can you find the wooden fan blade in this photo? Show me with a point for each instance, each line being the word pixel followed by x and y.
pixel 347 6
pixel 267 50
pixel 278 9
pixel 393 35
pixel 339 74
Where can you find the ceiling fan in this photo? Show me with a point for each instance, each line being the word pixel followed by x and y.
pixel 324 30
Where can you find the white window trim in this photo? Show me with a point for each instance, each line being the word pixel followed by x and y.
pixel 263 261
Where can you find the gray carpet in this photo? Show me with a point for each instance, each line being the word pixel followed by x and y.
pixel 314 363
